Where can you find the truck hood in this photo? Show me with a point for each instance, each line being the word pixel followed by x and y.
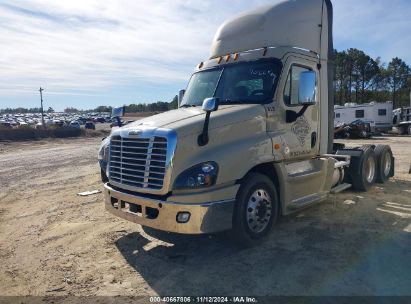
pixel 187 121
pixel 164 119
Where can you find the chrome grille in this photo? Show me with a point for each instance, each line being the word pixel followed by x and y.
pixel 138 162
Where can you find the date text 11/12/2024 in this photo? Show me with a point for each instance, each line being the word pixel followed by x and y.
pixel 203 299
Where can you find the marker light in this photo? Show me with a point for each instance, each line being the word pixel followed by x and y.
pixel 183 217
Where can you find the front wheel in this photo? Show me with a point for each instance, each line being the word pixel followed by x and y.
pixel 256 209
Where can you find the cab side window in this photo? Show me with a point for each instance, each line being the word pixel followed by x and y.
pixel 291 85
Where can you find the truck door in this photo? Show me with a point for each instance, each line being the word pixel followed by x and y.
pixel 296 138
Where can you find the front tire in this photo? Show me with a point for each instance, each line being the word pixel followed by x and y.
pixel 256 210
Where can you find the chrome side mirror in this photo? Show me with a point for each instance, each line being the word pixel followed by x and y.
pixel 180 96
pixel 307 88
pixel 211 104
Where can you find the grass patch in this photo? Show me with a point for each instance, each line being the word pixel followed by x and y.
pixel 28 133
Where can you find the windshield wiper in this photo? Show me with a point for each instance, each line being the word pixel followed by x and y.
pixel 230 101
pixel 187 105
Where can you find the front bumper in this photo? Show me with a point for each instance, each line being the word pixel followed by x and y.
pixel 204 217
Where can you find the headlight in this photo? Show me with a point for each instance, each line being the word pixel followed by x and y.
pixel 104 150
pixel 200 176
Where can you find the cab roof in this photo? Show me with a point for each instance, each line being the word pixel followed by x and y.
pixel 293 23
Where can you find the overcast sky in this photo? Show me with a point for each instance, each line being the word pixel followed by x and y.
pixel 87 53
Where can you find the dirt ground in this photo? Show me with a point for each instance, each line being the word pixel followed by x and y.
pixel 54 242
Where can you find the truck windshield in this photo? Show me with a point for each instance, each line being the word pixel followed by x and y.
pixel 251 82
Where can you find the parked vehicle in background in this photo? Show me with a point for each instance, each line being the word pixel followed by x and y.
pixel 82 120
pixel 50 119
pixel 90 125
pixel 378 115
pixel 59 122
pixel 74 124
pixel 5 125
pixel 114 122
pixel 356 129
pixel 402 120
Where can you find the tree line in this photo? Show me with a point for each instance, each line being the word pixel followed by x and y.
pixel 159 106
pixel 360 78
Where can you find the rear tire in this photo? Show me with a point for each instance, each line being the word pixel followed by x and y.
pixel 385 163
pixel 256 210
pixel 402 130
pixel 363 177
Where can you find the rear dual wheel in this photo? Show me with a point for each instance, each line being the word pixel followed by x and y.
pixel 404 130
pixel 363 173
pixel 385 163
pixel 374 165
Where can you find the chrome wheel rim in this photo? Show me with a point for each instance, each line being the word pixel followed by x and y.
pixel 370 169
pixel 259 210
pixel 387 164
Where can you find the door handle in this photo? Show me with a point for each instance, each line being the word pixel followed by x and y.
pixel 313 139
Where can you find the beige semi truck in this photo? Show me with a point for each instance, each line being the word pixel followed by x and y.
pixel 252 138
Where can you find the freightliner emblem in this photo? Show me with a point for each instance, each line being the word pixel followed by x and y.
pixel 134 133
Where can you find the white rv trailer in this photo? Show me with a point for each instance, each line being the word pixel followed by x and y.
pixel 402 119
pixel 377 114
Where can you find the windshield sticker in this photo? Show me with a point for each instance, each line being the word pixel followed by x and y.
pixel 301 128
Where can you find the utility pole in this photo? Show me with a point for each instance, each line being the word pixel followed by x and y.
pixel 42 111
pixel 409 76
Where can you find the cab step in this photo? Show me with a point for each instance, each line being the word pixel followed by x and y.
pixel 307 201
pixel 340 188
